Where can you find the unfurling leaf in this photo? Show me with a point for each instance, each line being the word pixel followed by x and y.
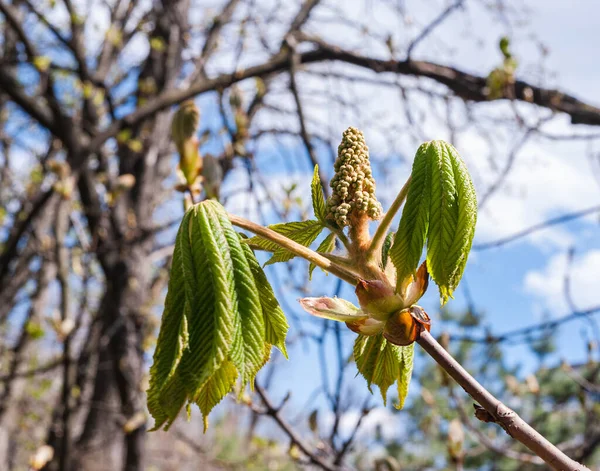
pixel 304 233
pixel 441 207
pixel 382 364
pixel 335 309
pixel 183 132
pixel 318 197
pixel 412 231
pixel 385 249
pixel 219 321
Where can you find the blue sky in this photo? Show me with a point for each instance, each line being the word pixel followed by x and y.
pixel 521 283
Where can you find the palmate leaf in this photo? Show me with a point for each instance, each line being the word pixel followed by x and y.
pixel 304 233
pixel 382 364
pixel 441 208
pixel 215 327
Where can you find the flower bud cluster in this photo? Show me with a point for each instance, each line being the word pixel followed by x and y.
pixel 353 186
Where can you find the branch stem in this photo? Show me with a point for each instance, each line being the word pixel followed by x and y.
pixel 386 222
pixel 291 433
pixel 508 419
pixel 295 248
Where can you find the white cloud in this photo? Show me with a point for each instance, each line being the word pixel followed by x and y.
pixel 544 181
pixel 547 284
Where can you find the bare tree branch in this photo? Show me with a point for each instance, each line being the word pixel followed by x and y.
pixel 537 227
pixel 498 412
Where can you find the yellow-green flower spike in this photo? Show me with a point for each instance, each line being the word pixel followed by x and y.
pixel 353 186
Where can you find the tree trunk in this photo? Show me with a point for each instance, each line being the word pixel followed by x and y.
pixel 117 390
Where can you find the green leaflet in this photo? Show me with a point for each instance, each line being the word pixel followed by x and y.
pixel 248 347
pixel 467 221
pixel 211 293
pixel 382 364
pixel 172 338
pixel 304 233
pixel 318 197
pixel 406 363
pixel 276 325
pixel 214 328
pixel 441 207
pixel 385 249
pixel 412 231
pixel 216 388
pixel 326 246
pixel 452 220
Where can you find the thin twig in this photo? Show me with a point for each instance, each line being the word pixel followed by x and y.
pixel 431 26
pixel 528 330
pixel 291 433
pixel 501 414
pixel 537 227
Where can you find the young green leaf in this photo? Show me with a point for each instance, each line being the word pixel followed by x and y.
pixel 382 364
pixel 414 223
pixel 467 220
pixel 303 232
pixel 406 362
pixel 441 208
pixel 326 246
pixel 248 347
pixel 220 317
pixel 452 219
pixel 210 290
pixel 276 325
pixel 318 197
pixel 172 339
pixel 216 388
pixel 385 249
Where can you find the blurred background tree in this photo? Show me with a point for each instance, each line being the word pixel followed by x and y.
pixel 89 203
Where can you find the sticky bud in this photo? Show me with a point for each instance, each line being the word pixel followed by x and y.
pixel 404 326
pixel 183 130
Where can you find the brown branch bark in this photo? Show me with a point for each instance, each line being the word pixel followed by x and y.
pixel 468 86
pixel 501 414
pixel 274 412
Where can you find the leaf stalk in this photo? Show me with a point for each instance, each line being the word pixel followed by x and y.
pixel 294 247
